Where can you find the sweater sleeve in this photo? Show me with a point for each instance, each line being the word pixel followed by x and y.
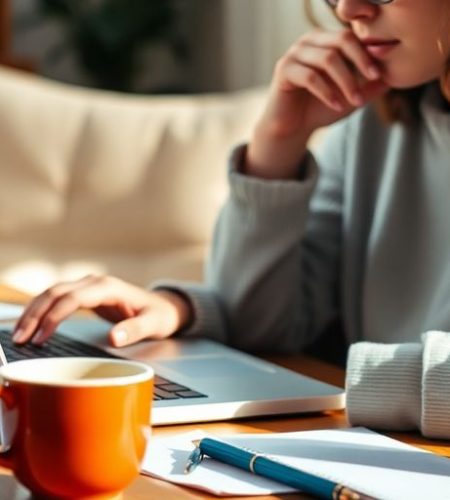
pixel 276 256
pixel 254 264
pixel 208 319
pixel 272 278
pixel 401 386
pixel 257 216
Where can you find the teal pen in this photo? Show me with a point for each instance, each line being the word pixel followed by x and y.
pixel 262 465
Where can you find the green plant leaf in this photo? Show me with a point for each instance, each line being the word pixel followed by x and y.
pixel 108 35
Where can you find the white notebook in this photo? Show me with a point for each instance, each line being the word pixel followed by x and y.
pixel 359 458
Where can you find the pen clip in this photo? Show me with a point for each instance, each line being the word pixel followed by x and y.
pixel 194 459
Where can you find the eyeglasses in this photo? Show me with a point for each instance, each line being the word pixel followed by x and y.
pixel 333 3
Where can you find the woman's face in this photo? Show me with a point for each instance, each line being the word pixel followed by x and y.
pixel 408 38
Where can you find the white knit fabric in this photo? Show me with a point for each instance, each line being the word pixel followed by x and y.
pixel 435 421
pixel 383 385
pixel 401 386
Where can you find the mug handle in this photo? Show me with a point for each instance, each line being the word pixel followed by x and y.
pixel 7 399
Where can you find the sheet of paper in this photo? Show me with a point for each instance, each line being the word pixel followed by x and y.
pixel 10 311
pixel 361 459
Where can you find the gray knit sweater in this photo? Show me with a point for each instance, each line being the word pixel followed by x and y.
pixel 365 236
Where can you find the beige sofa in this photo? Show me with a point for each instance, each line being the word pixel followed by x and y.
pixel 92 181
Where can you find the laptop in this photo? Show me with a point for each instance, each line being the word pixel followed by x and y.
pixel 196 380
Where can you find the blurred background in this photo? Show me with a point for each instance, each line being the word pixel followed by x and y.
pixel 155 46
pixel 129 182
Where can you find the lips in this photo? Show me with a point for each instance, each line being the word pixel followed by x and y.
pixel 379 47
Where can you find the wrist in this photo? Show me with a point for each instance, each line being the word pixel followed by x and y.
pixel 273 155
pixel 183 310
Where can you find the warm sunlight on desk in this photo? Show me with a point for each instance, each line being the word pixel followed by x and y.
pixel 145 487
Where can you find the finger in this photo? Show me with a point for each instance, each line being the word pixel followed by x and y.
pixel 330 62
pixel 98 292
pixel 373 90
pixel 348 44
pixel 116 314
pixel 147 324
pixel 32 316
pixel 300 76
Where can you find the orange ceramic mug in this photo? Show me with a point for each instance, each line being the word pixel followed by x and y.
pixel 78 426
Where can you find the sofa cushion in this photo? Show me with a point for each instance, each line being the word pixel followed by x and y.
pixel 88 174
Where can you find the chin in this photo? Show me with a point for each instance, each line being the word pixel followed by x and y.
pixel 400 85
pixel 401 80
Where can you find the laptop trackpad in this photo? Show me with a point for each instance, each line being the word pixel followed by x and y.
pixel 212 366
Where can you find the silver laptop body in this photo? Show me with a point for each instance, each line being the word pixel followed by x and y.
pixel 234 384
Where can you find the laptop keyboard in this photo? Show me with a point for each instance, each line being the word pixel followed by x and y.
pixel 60 346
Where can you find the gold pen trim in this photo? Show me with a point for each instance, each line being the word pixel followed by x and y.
pixel 341 492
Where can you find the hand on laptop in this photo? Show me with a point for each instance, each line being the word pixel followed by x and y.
pixel 138 313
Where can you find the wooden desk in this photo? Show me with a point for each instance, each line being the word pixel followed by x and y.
pixel 147 488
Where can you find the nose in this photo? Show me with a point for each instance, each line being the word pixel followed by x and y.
pixel 351 10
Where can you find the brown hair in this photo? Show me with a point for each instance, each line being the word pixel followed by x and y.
pixel 401 105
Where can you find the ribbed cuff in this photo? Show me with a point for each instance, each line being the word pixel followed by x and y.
pixel 266 195
pixel 435 421
pixel 383 385
pixel 208 319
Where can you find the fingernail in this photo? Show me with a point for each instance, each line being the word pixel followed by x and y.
pixel 120 337
pixel 18 335
pixel 373 72
pixel 38 337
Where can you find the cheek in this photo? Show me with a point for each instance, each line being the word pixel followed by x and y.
pixel 414 65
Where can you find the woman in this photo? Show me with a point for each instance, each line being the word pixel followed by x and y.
pixel 367 240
